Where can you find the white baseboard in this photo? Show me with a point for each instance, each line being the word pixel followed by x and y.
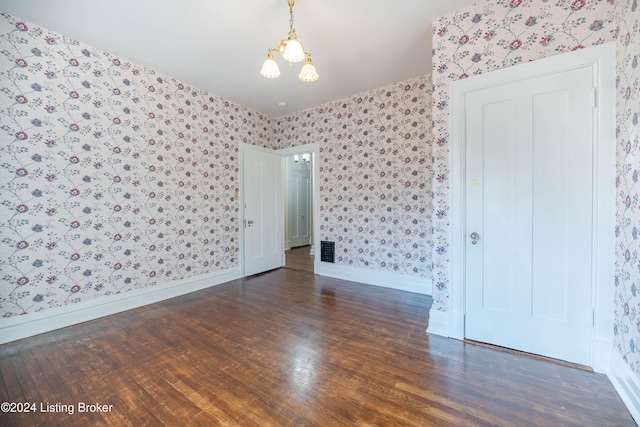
pixel 451 325
pixel 446 324
pixel 626 383
pixel 18 327
pixel 601 355
pixel 419 285
pixel 438 323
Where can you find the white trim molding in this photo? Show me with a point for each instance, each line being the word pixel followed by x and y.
pixel 18 327
pixel 415 284
pixel 451 323
pixel 438 323
pixel 627 385
pixel 314 147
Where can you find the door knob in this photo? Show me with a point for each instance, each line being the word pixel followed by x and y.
pixel 474 238
pixel 248 222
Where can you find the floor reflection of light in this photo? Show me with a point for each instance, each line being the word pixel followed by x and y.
pixel 304 362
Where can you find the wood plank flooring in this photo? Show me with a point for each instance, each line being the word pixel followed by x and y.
pixel 287 348
pixel 299 259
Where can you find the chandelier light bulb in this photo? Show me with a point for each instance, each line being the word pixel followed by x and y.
pixel 294 52
pixel 308 72
pixel 270 68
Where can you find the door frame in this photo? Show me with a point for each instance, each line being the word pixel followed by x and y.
pixel 287 189
pixel 602 59
pixel 314 149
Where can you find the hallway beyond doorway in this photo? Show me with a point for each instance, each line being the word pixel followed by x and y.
pixel 299 259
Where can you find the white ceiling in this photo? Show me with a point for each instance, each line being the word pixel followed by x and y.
pixel 219 46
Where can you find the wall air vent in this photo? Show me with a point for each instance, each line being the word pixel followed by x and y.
pixel 328 251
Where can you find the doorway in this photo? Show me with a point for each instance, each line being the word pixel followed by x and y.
pixel 298 203
pixel 264 250
pixel 599 318
pixel 299 211
pixel 305 159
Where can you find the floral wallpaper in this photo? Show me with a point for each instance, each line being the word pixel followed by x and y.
pixel 115 177
pixel 627 303
pixel 497 34
pixel 375 175
pixel 112 177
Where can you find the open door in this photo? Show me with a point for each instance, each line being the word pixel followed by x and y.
pixel 262 210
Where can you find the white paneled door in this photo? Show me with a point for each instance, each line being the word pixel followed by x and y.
pixel 263 211
pixel 529 214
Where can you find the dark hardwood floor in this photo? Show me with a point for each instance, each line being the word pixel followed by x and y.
pixel 299 259
pixel 287 348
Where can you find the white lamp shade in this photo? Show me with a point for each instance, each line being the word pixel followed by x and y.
pixel 270 68
pixel 294 51
pixel 308 72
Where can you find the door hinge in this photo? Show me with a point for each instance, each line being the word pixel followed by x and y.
pixel 594 98
pixel 593 317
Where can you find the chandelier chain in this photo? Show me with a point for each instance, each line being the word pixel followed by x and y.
pixel 290 19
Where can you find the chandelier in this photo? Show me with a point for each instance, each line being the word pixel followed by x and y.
pixel 292 51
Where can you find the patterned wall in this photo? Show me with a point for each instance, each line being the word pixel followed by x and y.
pixel 112 177
pixel 375 174
pixel 627 305
pixel 497 34
pixel 115 177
